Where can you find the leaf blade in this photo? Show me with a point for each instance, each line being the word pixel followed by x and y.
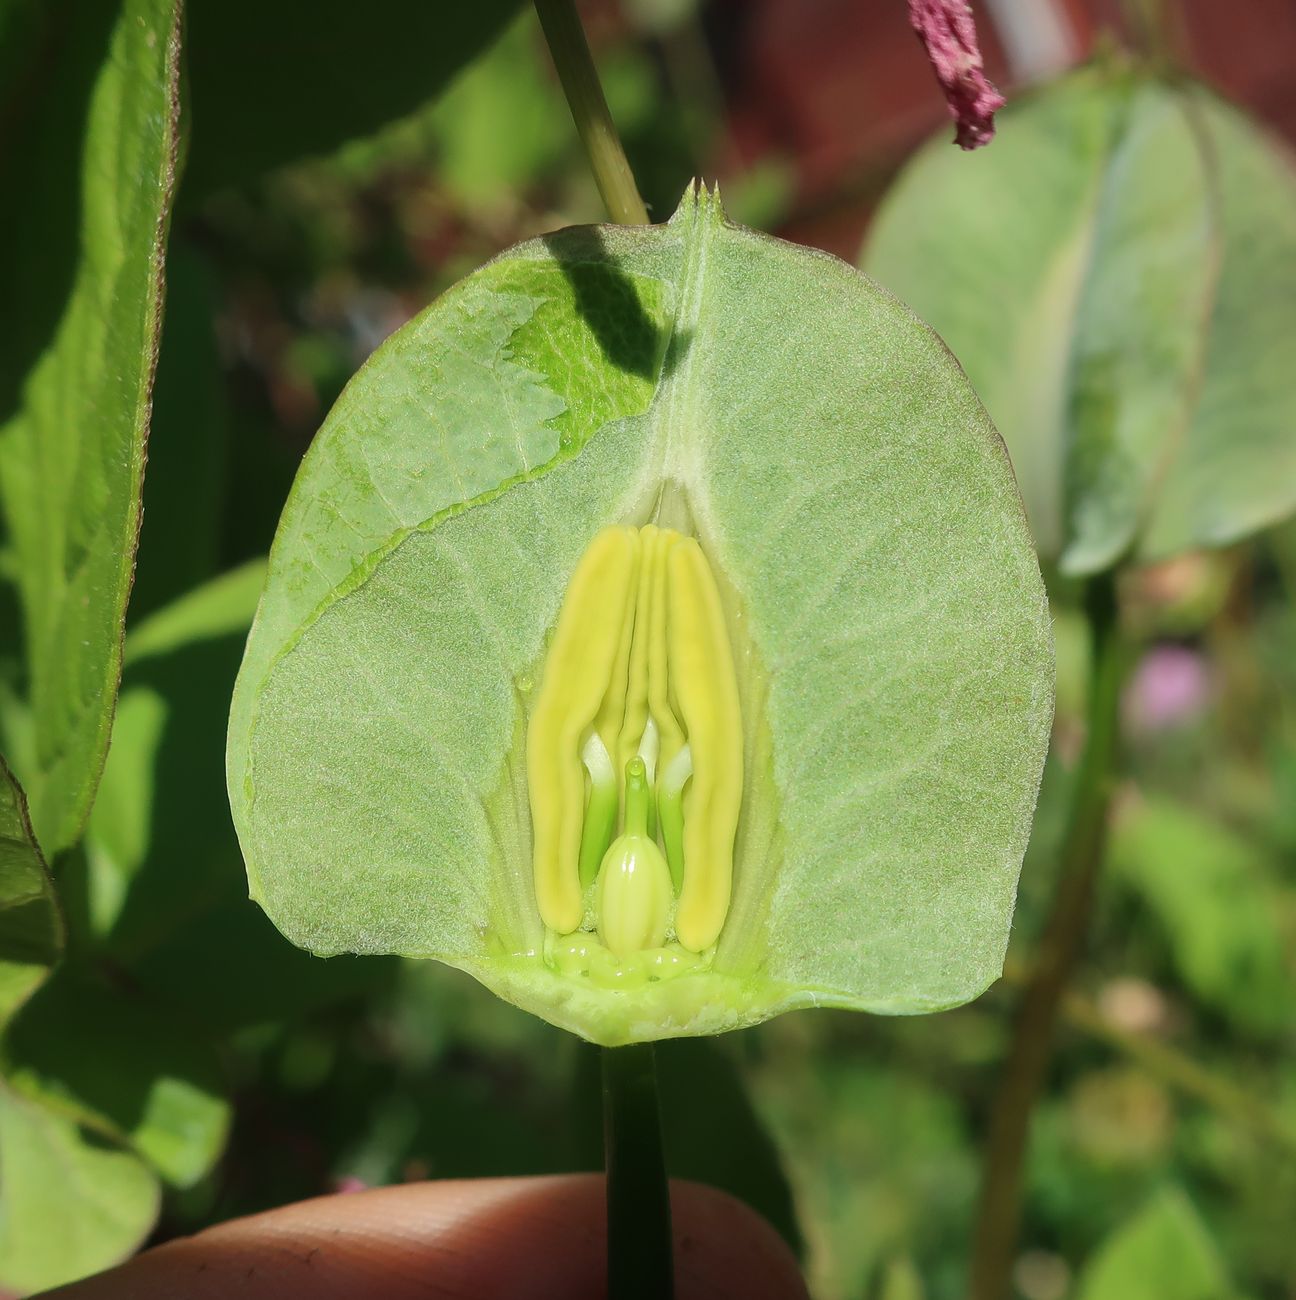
pixel 73 429
pixel 31 925
pixel 105 1199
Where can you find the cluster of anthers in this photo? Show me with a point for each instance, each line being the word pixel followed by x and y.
pixel 635 753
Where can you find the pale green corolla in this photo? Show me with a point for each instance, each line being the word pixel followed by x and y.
pixel 652 632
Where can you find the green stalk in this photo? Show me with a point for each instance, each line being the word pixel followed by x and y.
pixel 571 55
pixel 640 1261
pixel 640 1264
pixel 999 1218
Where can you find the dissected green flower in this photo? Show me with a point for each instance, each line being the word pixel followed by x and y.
pixel 654 633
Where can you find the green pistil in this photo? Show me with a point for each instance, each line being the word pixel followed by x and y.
pixel 638 798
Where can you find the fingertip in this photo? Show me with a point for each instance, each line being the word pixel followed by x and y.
pixel 479 1239
pixel 723 1248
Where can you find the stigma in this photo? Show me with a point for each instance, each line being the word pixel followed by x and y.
pixel 635 749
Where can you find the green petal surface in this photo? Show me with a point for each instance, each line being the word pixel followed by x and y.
pixel 94 160
pixel 1118 277
pixel 883 602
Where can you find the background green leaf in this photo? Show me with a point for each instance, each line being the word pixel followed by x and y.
pixel 103 1199
pixel 899 1280
pixel 713 1134
pixel 1237 471
pixel 31 927
pixel 892 638
pixel 111 1062
pixel 119 1051
pixel 270 85
pixel 1164 1251
pixel 90 145
pixel 162 887
pixel 1098 273
pixel 501 121
pixel 878 1162
pixel 1216 900
pixel 187 481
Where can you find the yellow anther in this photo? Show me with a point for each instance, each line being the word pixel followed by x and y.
pixel 612 712
pixel 639 682
pixel 653 542
pixel 577 673
pixel 670 738
pixel 702 682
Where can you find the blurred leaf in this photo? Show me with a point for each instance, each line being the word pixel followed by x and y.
pixel 166 894
pixel 70 1203
pixel 661 16
pixel 1218 904
pixel 31 927
pixel 1119 1118
pixel 761 196
pixel 609 374
pixel 713 1134
pixel 899 1280
pixel 501 123
pixel 271 84
pixel 1165 1251
pixel 158 837
pixel 106 1059
pixel 880 1164
pixel 1146 400
pixel 91 139
pixel 1237 470
pixel 185 488
pixel 435 1077
pixel 1075 1186
pixel 221 608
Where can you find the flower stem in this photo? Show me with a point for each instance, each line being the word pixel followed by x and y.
pixel 1064 933
pixel 640 1265
pixel 571 55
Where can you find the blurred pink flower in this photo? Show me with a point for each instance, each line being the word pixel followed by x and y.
pixel 1170 686
pixel 948 33
pixel 349 1183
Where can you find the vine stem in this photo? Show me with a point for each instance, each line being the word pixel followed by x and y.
pixel 640 1263
pixel 575 66
pixel 999 1215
